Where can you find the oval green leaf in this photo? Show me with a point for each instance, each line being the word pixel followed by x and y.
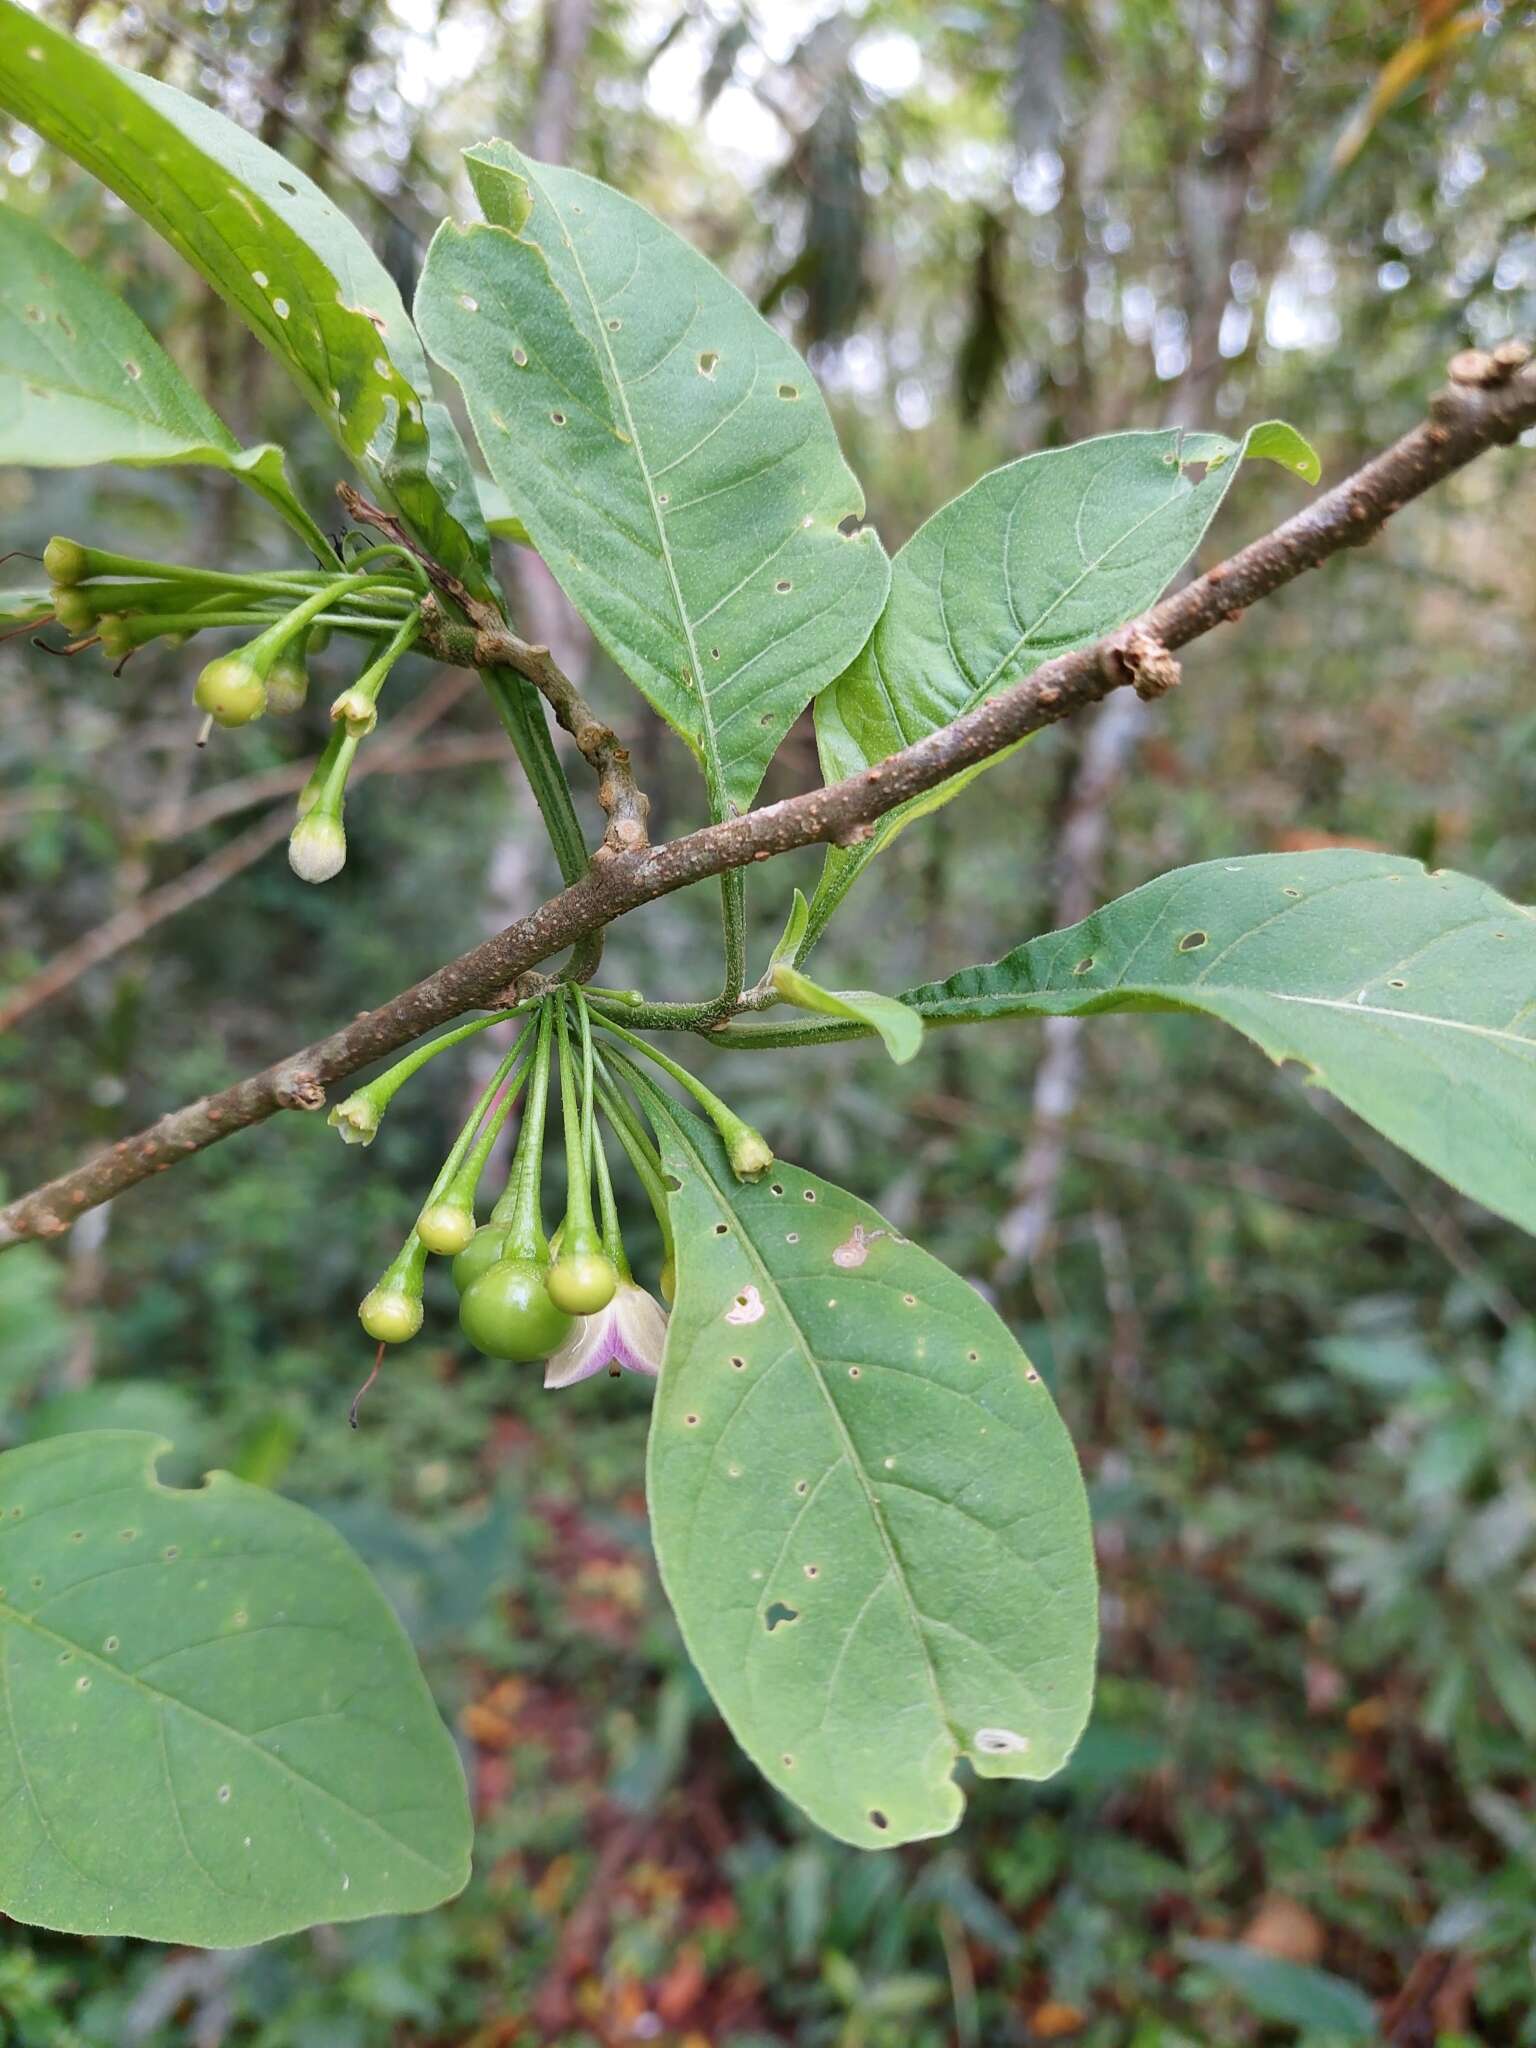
pixel 82 380
pixel 271 243
pixel 1410 996
pixel 900 1028
pixel 1043 555
pixel 212 1728
pixel 667 451
pixel 868 1515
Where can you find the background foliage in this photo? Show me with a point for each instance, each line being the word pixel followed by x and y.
pixel 1301 1374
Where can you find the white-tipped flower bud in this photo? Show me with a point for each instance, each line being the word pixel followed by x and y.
pixel 357 1119
pixel 750 1153
pixel 287 685
pixel 356 710
pixel 317 847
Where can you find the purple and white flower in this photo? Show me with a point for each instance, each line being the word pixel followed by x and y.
pixel 628 1335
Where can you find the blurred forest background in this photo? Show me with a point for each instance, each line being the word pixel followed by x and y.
pixel 1301 1374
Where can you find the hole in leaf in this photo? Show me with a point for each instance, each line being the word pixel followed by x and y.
pixel 714 654
pixel 721 1228
pixel 1193 941
pixel 777 1188
pixel 813 1571
pixel 778 1615
pixel 614 326
pixel 877 1819
pixel 558 418
pixel 788 1761
pixel 810 1194
pixel 520 356
pixel 284 186
pixel 692 1421
pixel 789 391
pixel 783 585
pixel 1196 471
pixel 1288 891
pixel 1397 984
pixel 470 305
pixel 849 525
pixel 708 361
pixel 739 1363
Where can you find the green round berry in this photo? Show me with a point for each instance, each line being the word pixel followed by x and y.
pixel 66 561
pixel 231 690
pixel 445 1228
pixel 390 1315
pixel 507 1312
pixel 484 1249
pixel 582 1283
pixel 287 685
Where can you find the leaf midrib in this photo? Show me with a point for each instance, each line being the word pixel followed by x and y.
pixel 164 1701
pixel 696 670
pixel 849 1450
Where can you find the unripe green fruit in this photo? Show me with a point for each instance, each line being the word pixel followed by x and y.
pixel 230 690
pixel 483 1250
pixel 390 1315
pixel 582 1283
pixel 668 1281
pixel 445 1228
pixel 72 608
pixel 287 685
pixel 66 561
pixel 319 639
pixel 507 1313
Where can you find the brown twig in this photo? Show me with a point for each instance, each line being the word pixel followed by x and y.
pixel 489 643
pixel 1490 401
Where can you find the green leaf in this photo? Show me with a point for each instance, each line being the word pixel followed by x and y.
pixel 1411 996
pixel 212 1728
pixel 1291 1993
pixel 1278 441
pixel 83 380
pixel 1041 556
pixel 900 1028
pixel 867 1512
pixel 793 934
pixel 17 606
pixel 500 519
pixel 668 452
pixel 269 242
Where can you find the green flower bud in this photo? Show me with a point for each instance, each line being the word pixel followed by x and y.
pixel 583 1283
pixel 287 685
pixel 116 640
pixel 445 1228
pixel 317 846
pixel 230 689
pixel 390 1315
pixel 66 561
pixel 72 608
